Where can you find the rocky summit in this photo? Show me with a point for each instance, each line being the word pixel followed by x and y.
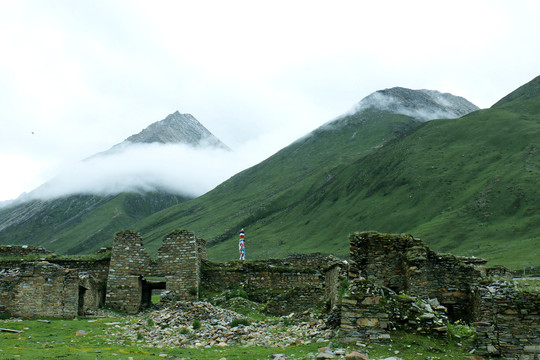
pixel 177 128
pixel 420 104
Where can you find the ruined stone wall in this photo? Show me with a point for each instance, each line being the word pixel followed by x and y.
pixel 363 316
pixel 509 322
pixel 284 287
pixel 314 260
pixel 98 269
pixel 406 264
pixel 178 261
pixel 334 275
pixel 22 250
pixel 9 278
pixel 129 263
pixel 370 312
pixel 39 289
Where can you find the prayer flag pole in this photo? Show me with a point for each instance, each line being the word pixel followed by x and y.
pixel 242 246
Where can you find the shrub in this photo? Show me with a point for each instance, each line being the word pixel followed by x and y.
pixel 460 330
pixel 5 315
pixel 196 324
pixel 237 322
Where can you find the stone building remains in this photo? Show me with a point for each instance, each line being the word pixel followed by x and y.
pixel 389 282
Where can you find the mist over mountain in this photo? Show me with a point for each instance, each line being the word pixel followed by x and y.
pixel 176 155
pixel 422 104
pixel 167 163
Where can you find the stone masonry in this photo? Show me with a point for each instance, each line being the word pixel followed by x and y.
pixel 387 272
pixel 40 289
pixel 403 263
pixel 178 262
pixel 508 322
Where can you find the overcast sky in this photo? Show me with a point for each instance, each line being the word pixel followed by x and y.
pixel 77 77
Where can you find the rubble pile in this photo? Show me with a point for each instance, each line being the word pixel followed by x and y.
pixel 200 324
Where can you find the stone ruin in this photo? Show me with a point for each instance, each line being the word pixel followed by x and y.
pixel 390 282
pixel 389 271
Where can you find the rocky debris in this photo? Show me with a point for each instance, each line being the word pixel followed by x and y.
pixel 174 326
pixel 423 316
pixel 10 272
pixel 356 356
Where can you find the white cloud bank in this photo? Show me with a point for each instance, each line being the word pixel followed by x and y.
pixel 174 168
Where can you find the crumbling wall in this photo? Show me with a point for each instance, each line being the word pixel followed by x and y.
pixel 22 250
pixel 285 285
pixel 97 268
pixel 178 261
pixel 91 293
pixel 370 312
pixel 403 263
pixel 40 289
pixel 129 263
pixel 509 322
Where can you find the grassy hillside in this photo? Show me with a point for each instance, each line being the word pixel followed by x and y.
pixel 466 186
pixel 79 223
pixel 260 198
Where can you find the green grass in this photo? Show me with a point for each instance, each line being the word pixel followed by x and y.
pixel 58 339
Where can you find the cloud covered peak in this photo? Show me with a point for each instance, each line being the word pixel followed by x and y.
pixel 177 154
pixel 420 104
pixel 177 128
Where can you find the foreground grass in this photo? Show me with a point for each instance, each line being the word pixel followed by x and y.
pixel 62 339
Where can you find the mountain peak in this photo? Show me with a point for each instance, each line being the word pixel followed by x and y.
pixel 420 104
pixel 177 128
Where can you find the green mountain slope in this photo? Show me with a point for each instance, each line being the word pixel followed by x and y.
pixel 79 223
pixel 528 91
pixel 260 198
pixel 467 186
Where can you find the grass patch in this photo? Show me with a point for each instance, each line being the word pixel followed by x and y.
pixel 58 339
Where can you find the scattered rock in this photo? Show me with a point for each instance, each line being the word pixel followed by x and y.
pixel 325 355
pixel 356 356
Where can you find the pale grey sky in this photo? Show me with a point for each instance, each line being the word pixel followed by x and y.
pixel 80 76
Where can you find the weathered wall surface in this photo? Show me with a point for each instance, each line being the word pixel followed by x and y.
pixel 179 258
pixel 406 264
pixel 507 319
pixel 509 322
pixel 22 250
pixel 98 269
pixel 178 262
pixel 370 313
pixel 286 285
pixel 40 289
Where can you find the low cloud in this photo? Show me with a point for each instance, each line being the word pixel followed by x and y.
pixel 179 169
